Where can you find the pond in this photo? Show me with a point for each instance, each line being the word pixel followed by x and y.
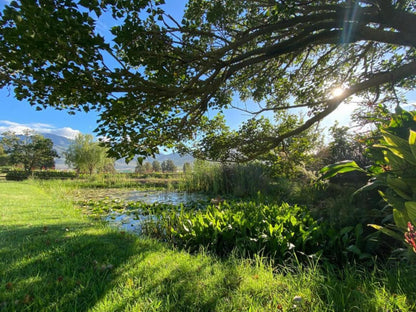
pixel 132 221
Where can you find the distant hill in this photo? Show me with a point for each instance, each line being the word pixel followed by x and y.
pixel 61 144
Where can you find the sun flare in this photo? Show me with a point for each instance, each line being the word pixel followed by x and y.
pixel 337 92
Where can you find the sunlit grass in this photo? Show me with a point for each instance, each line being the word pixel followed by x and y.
pixel 53 258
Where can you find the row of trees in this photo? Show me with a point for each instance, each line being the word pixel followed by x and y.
pixel 34 151
pixel 156 166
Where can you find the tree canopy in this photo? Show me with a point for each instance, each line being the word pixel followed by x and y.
pixel 31 150
pixel 155 78
pixel 87 156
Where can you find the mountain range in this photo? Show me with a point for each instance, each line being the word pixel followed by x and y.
pixel 61 144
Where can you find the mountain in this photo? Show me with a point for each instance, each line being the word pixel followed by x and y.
pixel 61 144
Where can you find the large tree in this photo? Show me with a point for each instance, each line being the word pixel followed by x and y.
pixel 155 78
pixel 31 150
pixel 87 156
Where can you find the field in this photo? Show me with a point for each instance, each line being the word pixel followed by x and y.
pixel 54 258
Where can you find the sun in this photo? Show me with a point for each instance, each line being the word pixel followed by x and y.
pixel 337 92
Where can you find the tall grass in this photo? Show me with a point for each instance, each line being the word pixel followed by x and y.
pixel 228 179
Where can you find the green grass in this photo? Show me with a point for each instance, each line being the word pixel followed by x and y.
pixel 53 258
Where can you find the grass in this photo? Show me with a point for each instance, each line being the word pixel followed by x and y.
pixel 53 258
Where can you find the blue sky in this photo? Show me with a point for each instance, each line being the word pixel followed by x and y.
pixel 16 115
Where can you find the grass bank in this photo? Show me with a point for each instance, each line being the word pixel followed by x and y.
pixel 53 258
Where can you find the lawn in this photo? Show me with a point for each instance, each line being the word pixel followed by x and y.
pixel 54 258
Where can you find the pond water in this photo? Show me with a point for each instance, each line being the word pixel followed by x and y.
pixel 174 198
pixel 132 221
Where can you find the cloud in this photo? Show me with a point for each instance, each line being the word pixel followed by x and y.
pixel 67 132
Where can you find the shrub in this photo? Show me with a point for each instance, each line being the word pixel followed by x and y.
pixel 54 174
pixel 248 227
pixel 17 175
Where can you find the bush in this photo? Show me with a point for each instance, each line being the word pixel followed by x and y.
pixel 17 175
pixel 54 174
pixel 248 227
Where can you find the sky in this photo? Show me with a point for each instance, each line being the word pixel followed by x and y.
pixel 18 115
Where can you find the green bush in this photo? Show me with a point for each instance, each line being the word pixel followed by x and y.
pixel 17 175
pixel 246 227
pixel 393 175
pixel 54 174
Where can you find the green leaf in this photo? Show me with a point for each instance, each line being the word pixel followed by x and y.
pixel 339 167
pixel 400 219
pixel 412 142
pixel 387 231
pixel 398 146
pixel 400 187
pixel 411 210
pixel 394 201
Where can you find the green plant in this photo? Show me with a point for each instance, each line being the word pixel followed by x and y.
pixel 394 175
pixel 247 227
pixel 17 175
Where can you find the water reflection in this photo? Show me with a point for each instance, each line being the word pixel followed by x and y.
pixel 132 221
pixel 174 198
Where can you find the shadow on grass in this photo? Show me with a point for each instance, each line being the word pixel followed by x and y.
pixel 78 267
pixel 62 267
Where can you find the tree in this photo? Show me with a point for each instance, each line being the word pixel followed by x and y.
pixel 346 146
pixel 156 166
pixel 139 168
pixel 168 166
pixel 187 168
pixel 165 75
pixel 145 167
pixel 31 150
pixel 87 156
pixel 4 159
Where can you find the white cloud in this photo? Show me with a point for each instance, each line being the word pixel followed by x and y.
pixel 67 132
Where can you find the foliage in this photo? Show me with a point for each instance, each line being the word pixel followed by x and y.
pixel 87 156
pixel 145 167
pixel 395 175
pixel 31 150
pixel 54 174
pixel 155 78
pixel 247 227
pixel 4 159
pixel 156 166
pixel 241 180
pixel 252 142
pixel 19 175
pixel 168 166
pixel 345 146
pixel 187 168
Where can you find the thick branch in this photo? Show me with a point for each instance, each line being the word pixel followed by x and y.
pixel 398 74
